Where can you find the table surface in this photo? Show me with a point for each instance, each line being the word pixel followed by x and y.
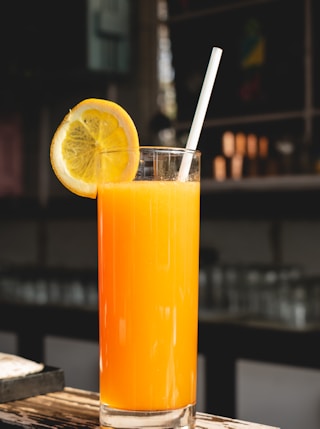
pixel 75 408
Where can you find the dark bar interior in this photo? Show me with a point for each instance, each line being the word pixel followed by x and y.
pixel 259 282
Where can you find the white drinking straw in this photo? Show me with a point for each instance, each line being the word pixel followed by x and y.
pixel 200 113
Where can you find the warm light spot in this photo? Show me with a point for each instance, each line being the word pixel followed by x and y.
pixel 241 141
pixel 252 146
pixel 263 146
pixel 219 168
pixel 236 167
pixel 228 144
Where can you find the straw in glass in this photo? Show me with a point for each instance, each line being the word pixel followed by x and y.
pixel 200 112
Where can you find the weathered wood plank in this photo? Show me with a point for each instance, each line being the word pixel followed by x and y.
pixel 75 408
pixel 70 408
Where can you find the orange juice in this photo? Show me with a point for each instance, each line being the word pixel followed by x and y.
pixel 148 243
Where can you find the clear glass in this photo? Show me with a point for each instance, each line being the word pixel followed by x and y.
pixel 148 245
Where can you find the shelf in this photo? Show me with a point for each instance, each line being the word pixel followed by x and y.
pixel 216 318
pixel 250 119
pixel 268 198
pixel 261 197
pixel 263 184
pixel 225 6
pixel 71 207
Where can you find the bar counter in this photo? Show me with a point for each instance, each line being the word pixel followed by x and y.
pixel 75 408
pixel 253 341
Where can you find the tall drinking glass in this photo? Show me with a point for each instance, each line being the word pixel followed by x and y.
pixel 148 242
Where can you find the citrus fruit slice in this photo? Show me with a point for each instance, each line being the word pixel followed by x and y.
pixel 97 142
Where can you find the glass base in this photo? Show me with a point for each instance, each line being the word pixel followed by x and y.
pixel 111 418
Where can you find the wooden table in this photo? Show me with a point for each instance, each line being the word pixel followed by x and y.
pixel 75 408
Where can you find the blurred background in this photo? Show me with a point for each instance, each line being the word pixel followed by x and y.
pixel 259 282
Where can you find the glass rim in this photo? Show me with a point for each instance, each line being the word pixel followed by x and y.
pixel 169 149
pixel 159 149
